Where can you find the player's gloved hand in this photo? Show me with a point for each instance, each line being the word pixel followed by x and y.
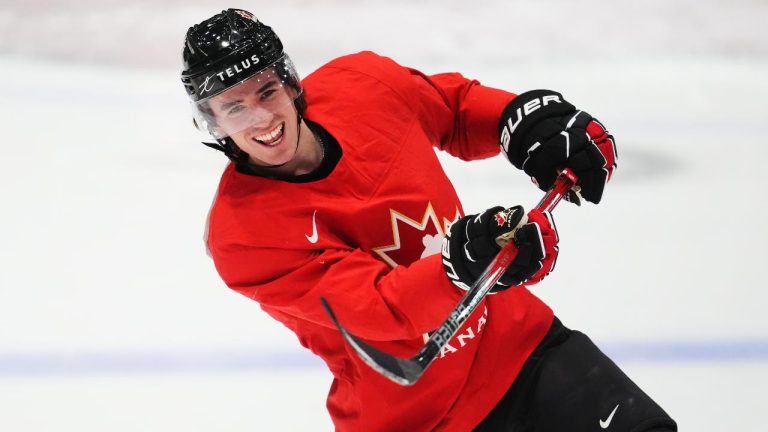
pixel 542 133
pixel 473 241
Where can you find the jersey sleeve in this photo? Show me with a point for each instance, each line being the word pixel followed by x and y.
pixel 371 299
pixel 461 115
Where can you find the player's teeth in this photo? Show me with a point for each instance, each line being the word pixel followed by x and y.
pixel 271 135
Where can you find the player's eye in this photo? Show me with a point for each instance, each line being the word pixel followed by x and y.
pixel 266 95
pixel 235 110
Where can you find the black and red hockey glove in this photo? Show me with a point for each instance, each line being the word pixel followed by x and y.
pixel 473 241
pixel 542 133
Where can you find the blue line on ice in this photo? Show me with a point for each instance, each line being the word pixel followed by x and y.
pixel 208 361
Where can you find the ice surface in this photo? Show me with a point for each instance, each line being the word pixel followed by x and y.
pixel 112 316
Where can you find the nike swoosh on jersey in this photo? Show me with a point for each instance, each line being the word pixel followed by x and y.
pixel 313 238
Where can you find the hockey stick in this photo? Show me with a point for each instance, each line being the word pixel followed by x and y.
pixel 405 371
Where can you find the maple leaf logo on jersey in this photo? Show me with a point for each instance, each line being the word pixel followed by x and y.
pixel 414 238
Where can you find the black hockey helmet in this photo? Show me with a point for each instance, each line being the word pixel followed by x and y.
pixel 225 51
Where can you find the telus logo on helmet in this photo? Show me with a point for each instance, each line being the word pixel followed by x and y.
pixel 230 72
pixel 528 108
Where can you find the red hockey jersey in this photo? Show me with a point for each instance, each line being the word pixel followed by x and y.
pixel 367 237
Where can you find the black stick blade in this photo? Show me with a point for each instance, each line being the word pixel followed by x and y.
pixel 401 371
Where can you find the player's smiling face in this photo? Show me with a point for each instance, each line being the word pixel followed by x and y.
pixel 260 116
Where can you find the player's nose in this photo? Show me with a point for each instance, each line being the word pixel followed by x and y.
pixel 260 117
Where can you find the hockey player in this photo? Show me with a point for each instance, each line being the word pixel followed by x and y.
pixel 334 190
